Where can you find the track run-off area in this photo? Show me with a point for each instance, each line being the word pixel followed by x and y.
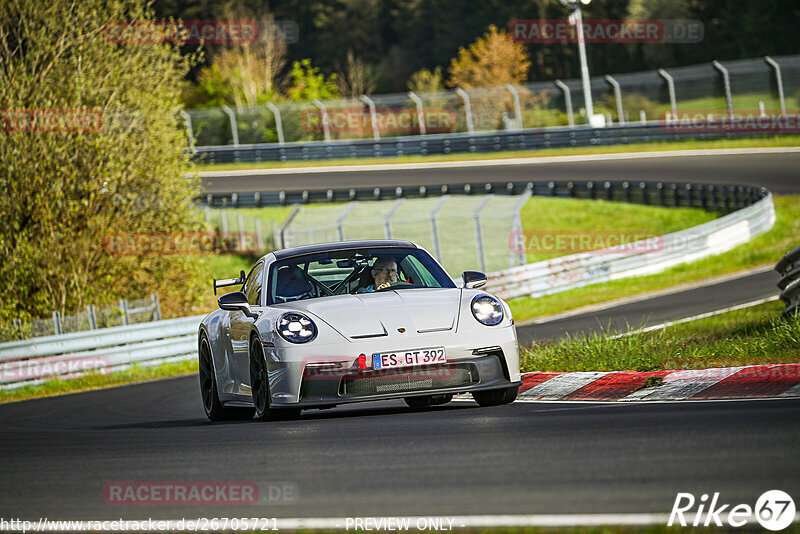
pixel 59 455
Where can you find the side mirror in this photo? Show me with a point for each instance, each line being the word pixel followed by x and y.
pixel 236 301
pixel 473 279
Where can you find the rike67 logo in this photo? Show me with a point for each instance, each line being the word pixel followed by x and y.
pixel 774 510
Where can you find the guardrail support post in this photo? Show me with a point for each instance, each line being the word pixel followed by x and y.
pixel 92 316
pixel 156 307
pixel 188 120
pixel 568 100
pixel 517 107
pixel 234 129
pixel 278 123
pixel 123 304
pixel 467 108
pixel 326 125
pixel 376 134
pixel 420 111
pixel 726 82
pixel 57 326
pixel 618 97
pixel 779 81
pixel 671 90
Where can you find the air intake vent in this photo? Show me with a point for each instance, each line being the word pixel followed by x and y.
pixel 414 379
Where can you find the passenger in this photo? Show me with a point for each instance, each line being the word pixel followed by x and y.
pixel 384 274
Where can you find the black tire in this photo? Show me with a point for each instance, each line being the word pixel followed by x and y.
pixel 259 385
pixel 417 403
pixel 213 407
pixel 495 397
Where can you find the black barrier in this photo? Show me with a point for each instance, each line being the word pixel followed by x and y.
pixel 789 284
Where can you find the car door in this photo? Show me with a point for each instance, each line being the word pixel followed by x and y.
pixel 241 326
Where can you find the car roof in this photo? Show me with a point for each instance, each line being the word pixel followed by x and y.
pixel 341 245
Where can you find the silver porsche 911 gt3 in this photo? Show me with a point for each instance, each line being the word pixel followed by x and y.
pixel 321 325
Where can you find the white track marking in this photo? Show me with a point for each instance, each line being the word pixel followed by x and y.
pixel 697 317
pixel 683 384
pixel 493 162
pixel 562 385
pixel 680 288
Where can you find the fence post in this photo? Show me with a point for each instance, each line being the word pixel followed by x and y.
pixel 779 80
pixel 326 126
pixel 90 313
pixel 467 108
pixel 278 123
pixel 517 107
pixel 434 230
pixel 376 134
pixel 517 227
pixel 420 111
pixel 618 97
pixel 259 235
pixel 234 130
pixel 726 82
pixel 387 221
pixel 478 237
pixel 57 326
pixel 671 90
pixel 123 304
pixel 156 307
pixel 280 235
pixel 240 221
pixel 568 99
pixel 341 218
pixel 188 119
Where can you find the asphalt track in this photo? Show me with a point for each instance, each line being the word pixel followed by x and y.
pixel 57 455
pixel 778 172
pixel 384 460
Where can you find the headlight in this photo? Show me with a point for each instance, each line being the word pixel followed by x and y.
pixel 296 328
pixel 487 310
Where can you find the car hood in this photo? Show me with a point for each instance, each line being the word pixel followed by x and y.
pixel 384 313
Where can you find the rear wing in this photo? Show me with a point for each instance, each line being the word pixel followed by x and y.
pixel 229 282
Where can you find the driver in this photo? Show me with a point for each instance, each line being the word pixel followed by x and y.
pixel 384 274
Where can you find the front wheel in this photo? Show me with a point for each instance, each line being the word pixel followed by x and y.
pixel 259 382
pixel 213 407
pixel 496 397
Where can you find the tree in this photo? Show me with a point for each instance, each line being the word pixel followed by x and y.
pixel 357 77
pixel 493 59
pixel 424 81
pixel 90 147
pixel 308 83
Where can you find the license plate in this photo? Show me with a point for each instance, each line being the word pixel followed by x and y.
pixel 408 358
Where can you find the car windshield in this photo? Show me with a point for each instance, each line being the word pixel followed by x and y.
pixel 354 271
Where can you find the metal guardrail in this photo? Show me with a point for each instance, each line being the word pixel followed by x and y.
pixel 482 142
pixel 32 361
pixel 716 197
pixel 635 259
pixel 789 284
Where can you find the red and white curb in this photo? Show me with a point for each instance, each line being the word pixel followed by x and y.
pixel 752 381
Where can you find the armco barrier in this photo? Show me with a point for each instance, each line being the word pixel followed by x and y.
pixel 484 142
pixel 789 284
pixel 31 361
pixel 578 270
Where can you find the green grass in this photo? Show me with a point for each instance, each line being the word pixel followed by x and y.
pixel 765 249
pixel 759 142
pixel 92 381
pixel 750 336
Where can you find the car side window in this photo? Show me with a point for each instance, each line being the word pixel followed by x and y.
pixel 252 287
